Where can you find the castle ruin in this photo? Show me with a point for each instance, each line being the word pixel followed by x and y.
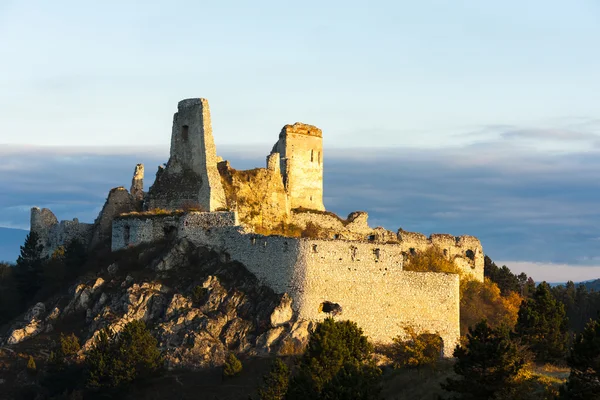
pixel 273 221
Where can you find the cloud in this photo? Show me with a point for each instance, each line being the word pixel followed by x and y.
pixel 533 207
pixel 553 272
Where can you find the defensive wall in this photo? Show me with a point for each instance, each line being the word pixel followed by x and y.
pixel 360 281
pixel 53 234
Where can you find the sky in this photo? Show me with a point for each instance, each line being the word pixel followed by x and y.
pixel 465 117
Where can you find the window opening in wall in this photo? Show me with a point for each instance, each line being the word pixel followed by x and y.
pixel 353 251
pixel 253 241
pixel 314 248
pixel 184 132
pixel 376 253
pixel 446 252
pixel 285 246
pixel 412 251
pixel 371 238
pixel 470 255
pixel 169 231
pixel 319 157
pixel 330 308
pixel 311 156
pixel 126 234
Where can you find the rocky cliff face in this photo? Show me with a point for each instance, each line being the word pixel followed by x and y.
pixel 198 305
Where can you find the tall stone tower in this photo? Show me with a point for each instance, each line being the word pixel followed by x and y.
pixel 300 147
pixel 191 176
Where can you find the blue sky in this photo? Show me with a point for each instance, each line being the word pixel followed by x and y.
pixel 442 109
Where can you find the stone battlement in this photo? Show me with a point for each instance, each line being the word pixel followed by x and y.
pixel 301 129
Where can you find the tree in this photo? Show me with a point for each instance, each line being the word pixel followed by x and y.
pixel 542 325
pixel 29 267
pixel 485 364
pixel 276 383
pixel 484 300
pixel 9 294
pixel 337 364
pixel 584 379
pixel 233 365
pixel 119 359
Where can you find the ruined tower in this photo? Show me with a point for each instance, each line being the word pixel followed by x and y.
pixel 300 148
pixel 190 178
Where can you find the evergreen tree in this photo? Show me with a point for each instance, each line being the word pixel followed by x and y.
pixel 276 382
pixel 584 380
pixel 485 365
pixel 337 364
pixel 119 359
pixel 542 325
pixel 29 267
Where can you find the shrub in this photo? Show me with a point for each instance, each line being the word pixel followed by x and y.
pixel 276 382
pixel 119 359
pixel 233 365
pixel 338 362
pixel 430 260
pixel 417 350
pixel 31 367
pixel 199 294
pixel 312 231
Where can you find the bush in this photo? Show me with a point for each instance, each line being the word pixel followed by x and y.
pixel 31 367
pixel 119 359
pixel 312 231
pixel 199 294
pixel 338 362
pixel 276 382
pixel 233 365
pixel 430 260
pixel 416 350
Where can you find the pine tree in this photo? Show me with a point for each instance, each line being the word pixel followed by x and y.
pixel 488 361
pixel 542 325
pixel 28 270
pixel 584 380
pixel 276 382
pixel 337 364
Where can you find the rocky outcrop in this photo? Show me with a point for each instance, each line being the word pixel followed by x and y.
pixel 208 309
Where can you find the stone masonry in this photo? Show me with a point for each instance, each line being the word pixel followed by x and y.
pixel 348 271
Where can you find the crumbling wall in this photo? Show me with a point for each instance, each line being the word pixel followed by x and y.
pixel 190 176
pixel 119 201
pixel 53 234
pixel 135 230
pixel 465 251
pixel 137 183
pixel 258 195
pixel 300 147
pixel 379 297
pixel 365 279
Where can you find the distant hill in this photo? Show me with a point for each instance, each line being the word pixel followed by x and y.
pixel 592 285
pixel 10 242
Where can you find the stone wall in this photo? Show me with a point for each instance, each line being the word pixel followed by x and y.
pixel 53 234
pixel 119 201
pixel 365 279
pixel 190 176
pixel 300 147
pixel 258 195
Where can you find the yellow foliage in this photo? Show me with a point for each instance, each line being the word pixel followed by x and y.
pixel 430 260
pixel 479 300
pixel 416 350
pixel 529 385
